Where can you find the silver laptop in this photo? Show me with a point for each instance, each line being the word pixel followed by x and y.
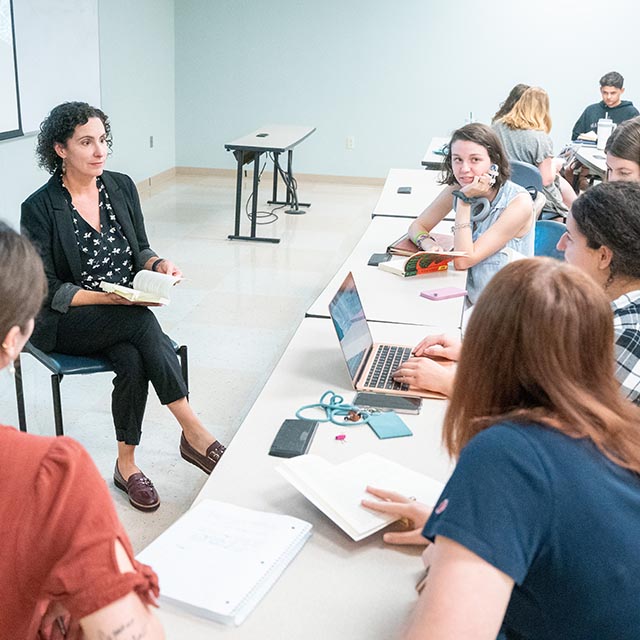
pixel 370 365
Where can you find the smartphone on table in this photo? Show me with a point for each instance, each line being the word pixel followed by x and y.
pixel 443 293
pixel 383 402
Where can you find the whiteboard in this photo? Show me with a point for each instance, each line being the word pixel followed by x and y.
pixel 58 52
pixel 9 108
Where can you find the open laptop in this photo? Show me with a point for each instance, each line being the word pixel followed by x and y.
pixel 370 365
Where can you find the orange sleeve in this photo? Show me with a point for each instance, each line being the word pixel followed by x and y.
pixel 73 528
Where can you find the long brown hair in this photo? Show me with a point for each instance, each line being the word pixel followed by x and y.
pixel 530 112
pixel 539 348
pixel 514 95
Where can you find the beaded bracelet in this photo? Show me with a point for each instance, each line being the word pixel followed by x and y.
pixel 418 238
pixel 462 225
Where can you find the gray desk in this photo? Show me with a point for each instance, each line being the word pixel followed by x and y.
pixel 431 159
pixel 390 298
pixel 424 189
pixel 335 588
pixel 593 158
pixel 275 139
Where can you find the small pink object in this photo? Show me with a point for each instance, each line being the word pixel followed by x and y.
pixel 341 437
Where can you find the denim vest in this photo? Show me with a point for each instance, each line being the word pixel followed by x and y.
pixel 479 275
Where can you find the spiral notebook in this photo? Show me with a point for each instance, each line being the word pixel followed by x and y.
pixel 219 560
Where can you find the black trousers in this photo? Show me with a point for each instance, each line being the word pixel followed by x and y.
pixel 140 352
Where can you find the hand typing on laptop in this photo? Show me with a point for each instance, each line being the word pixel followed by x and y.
pixel 423 372
pixel 440 346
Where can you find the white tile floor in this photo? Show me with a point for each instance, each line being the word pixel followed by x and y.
pixel 237 311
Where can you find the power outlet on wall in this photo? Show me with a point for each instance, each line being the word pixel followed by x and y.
pixel 350 142
pixel 150 142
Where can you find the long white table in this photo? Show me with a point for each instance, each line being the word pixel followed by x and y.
pixel 593 158
pixel 431 159
pixel 335 588
pixel 424 189
pixel 387 297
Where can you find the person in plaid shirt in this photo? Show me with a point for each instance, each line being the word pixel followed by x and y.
pixel 603 239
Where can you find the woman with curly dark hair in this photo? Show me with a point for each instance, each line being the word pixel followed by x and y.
pixel 88 226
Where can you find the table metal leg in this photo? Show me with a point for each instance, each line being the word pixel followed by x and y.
pixel 254 199
pixel 254 203
pixel 240 157
pixel 292 194
pixel 276 167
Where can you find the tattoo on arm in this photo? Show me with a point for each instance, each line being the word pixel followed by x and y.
pixel 126 631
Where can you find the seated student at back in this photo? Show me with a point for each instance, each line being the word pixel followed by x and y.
pixel 524 132
pixel 505 107
pixel 612 106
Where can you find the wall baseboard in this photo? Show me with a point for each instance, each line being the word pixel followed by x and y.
pixel 145 187
pixel 307 177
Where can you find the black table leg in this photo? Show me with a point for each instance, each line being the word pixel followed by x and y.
pixel 240 156
pixel 254 203
pixel 276 167
pixel 292 194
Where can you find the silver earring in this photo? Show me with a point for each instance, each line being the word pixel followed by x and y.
pixel 63 166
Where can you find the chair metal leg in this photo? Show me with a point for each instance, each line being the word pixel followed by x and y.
pixel 184 365
pixel 56 379
pixel 22 416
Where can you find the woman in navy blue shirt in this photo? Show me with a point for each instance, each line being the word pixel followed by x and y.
pixel 536 533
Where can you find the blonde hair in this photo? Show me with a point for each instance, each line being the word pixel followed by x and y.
pixel 530 112
pixel 539 348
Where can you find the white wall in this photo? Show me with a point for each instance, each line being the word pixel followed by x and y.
pixel 391 74
pixel 197 73
pixel 137 56
pixel 137 68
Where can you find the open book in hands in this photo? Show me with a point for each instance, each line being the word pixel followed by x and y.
pixel 148 286
pixel 338 490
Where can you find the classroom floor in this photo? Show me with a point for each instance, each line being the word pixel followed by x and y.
pixel 238 308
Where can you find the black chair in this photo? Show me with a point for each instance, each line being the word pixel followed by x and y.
pixel 548 233
pixel 61 365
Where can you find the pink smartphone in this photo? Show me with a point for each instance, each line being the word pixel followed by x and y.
pixel 443 293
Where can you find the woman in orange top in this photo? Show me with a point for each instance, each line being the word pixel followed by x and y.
pixel 67 566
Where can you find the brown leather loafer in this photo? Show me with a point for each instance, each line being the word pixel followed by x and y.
pixel 142 494
pixel 206 463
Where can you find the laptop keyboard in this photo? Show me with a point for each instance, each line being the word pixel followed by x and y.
pixel 387 359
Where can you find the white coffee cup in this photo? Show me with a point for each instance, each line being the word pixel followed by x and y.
pixel 605 127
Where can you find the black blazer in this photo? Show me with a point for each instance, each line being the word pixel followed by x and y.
pixel 46 220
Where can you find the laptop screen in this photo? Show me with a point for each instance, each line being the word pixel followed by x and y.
pixel 351 326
